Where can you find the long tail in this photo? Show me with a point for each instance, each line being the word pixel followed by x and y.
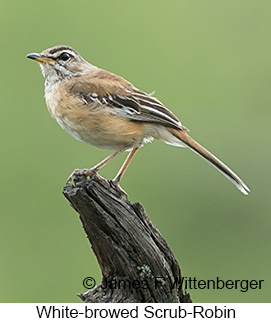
pixel 197 148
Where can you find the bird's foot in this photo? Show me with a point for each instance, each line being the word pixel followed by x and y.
pixel 81 172
pixel 91 172
pixel 117 187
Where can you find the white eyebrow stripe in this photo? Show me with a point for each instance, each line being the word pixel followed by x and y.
pixel 71 52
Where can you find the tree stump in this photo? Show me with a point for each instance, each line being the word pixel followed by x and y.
pixel 136 262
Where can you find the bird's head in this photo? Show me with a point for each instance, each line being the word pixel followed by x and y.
pixel 61 62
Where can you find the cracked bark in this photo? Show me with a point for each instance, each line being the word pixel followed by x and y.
pixel 136 262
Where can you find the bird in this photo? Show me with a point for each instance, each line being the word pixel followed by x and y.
pixel 103 109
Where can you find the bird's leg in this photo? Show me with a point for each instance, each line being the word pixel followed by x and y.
pixel 123 168
pixel 92 171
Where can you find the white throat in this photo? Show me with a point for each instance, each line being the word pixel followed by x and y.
pixel 53 75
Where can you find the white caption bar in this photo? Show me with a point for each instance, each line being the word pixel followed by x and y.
pixel 77 312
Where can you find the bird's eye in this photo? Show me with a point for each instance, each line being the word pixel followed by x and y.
pixel 64 56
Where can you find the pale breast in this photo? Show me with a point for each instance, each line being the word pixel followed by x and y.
pixel 96 126
pixel 52 98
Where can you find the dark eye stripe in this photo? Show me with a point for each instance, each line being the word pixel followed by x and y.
pixel 60 48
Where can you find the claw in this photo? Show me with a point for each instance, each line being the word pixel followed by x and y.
pixel 81 172
pixel 91 172
pixel 119 189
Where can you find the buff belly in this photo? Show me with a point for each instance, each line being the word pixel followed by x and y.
pixel 105 132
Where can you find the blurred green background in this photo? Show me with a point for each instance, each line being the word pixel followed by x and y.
pixel 210 63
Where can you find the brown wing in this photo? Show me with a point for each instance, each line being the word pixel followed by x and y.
pixel 105 88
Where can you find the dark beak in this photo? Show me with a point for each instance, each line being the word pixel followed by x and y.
pixel 33 56
pixel 40 58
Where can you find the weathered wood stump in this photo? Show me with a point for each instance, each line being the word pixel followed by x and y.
pixel 136 262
